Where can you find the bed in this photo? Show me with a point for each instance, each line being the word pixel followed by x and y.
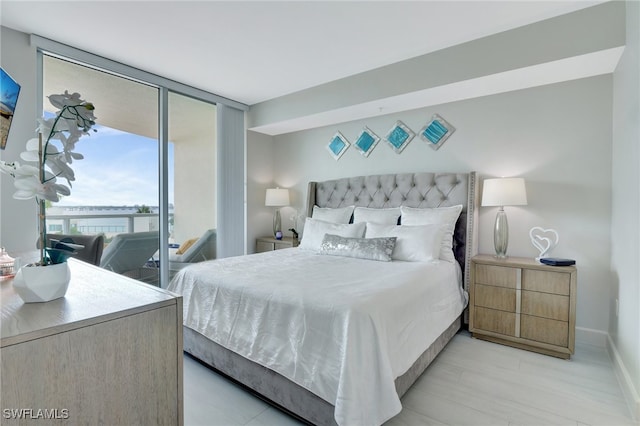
pixel 346 352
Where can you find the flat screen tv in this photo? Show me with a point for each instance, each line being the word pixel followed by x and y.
pixel 9 90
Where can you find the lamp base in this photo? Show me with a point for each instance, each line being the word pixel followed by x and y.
pixel 277 224
pixel 501 234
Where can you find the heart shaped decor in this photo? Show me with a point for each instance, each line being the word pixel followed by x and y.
pixel 544 240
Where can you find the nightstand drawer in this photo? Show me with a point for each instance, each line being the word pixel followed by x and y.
pixel 270 243
pixel 496 275
pixel 545 305
pixel 544 330
pixel 497 321
pixel 503 299
pixel 546 282
pixel 262 246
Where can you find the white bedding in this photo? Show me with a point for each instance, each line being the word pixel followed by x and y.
pixel 343 328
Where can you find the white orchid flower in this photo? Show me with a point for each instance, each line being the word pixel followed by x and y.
pixel 75 133
pixel 68 147
pixel 8 168
pixel 30 187
pixel 68 142
pixel 26 170
pixel 73 120
pixel 45 125
pixel 33 148
pixel 60 168
pixel 69 156
pixel 19 171
pixel 65 99
pixel 74 108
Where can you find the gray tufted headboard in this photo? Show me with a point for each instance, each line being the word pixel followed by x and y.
pixel 412 190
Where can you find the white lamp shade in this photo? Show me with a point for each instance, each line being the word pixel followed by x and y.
pixel 277 197
pixel 504 192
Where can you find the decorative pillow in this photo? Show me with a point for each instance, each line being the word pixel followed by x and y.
pixel 414 243
pixel 314 231
pixel 382 216
pixel 339 215
pixel 361 248
pixel 446 216
pixel 185 246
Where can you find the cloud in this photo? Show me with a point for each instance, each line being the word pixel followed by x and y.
pixel 118 168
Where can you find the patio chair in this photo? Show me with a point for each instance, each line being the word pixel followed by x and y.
pixel 202 249
pixel 93 246
pixel 129 252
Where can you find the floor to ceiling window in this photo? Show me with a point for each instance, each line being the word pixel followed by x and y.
pixel 117 188
pixel 192 189
pixel 192 180
pixel 164 156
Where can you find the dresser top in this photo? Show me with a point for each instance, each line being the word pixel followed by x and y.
pixel 94 295
pixel 519 262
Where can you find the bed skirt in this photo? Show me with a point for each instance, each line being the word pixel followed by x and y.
pixel 283 393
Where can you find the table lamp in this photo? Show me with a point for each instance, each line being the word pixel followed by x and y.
pixel 277 197
pixel 503 192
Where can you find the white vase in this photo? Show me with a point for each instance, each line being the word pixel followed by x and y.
pixel 42 283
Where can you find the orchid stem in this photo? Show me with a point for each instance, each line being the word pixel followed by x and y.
pixel 42 225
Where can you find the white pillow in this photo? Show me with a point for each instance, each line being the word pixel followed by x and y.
pixel 382 216
pixel 414 243
pixel 315 230
pixel 380 249
pixel 339 215
pixel 446 216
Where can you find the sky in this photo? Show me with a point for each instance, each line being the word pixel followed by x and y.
pixel 9 91
pixel 118 169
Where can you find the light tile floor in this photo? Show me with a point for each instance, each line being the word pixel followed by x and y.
pixel 472 382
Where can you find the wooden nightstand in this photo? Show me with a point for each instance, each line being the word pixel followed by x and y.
pixel 522 303
pixel 270 243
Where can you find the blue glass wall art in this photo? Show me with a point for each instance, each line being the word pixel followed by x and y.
pixel 338 145
pixel 436 132
pixel 366 141
pixel 399 136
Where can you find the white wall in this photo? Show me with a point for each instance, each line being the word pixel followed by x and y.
pixel 574 34
pixel 18 222
pixel 260 173
pixel 557 137
pixel 195 201
pixel 624 327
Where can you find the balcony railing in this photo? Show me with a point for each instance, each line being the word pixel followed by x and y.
pixel 107 224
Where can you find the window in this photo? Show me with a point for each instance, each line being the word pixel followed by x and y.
pixel 190 137
pixel 192 167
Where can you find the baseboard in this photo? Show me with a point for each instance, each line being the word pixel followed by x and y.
pixel 592 337
pixel 624 378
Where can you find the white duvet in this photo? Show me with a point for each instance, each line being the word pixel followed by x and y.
pixel 343 328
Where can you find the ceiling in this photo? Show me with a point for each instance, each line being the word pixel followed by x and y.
pixel 255 51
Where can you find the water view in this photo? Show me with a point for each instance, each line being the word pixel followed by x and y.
pixel 116 187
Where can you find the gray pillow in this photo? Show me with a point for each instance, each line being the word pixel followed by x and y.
pixel 361 248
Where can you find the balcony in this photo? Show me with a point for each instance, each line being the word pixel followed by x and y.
pixel 109 224
pixel 109 221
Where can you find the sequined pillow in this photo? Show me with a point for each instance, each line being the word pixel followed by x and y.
pixel 362 248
